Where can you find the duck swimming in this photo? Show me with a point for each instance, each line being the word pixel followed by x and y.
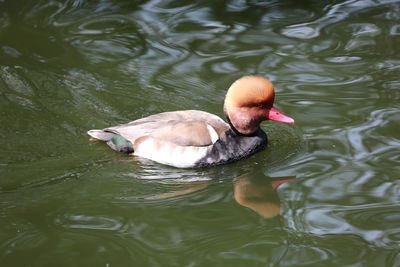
pixel 194 138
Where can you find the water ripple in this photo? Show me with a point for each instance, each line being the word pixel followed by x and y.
pixel 336 220
pixel 334 14
pixel 88 222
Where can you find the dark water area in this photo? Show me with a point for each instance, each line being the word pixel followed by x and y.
pixel 326 192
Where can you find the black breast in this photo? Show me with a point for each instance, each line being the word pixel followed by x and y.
pixel 234 147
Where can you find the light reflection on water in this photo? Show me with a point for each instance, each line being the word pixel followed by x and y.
pixel 69 66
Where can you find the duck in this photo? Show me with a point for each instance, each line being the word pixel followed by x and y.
pixel 195 138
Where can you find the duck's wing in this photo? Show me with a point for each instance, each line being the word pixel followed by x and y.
pixel 179 128
pixel 145 126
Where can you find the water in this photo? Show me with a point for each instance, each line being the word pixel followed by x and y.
pixel 66 67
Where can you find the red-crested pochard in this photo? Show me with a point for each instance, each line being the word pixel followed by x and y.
pixel 193 138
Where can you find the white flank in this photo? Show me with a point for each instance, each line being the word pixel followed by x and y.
pixel 170 154
pixel 213 133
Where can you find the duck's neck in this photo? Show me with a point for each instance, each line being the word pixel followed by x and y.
pixel 232 126
pixel 244 121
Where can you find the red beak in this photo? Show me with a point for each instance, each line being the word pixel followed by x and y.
pixel 276 115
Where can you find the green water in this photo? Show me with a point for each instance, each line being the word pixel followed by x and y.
pixel 70 66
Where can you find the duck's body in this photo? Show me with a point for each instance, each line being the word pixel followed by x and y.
pixel 187 138
pixel 193 138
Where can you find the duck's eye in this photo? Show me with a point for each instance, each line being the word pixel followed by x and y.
pixel 261 105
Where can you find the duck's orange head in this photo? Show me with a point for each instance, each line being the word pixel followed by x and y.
pixel 249 101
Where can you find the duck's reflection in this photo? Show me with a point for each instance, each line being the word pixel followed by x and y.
pixel 259 193
pixel 256 192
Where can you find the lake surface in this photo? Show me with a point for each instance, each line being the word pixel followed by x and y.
pixel 70 66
